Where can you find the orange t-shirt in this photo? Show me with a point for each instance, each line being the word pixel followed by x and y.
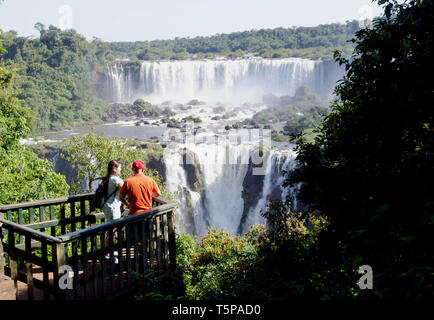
pixel 139 189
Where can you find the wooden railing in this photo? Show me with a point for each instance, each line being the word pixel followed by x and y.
pixel 58 247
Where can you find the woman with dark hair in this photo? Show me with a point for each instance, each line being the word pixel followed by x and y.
pixel 112 206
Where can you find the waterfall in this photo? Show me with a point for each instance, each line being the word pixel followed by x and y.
pixel 234 81
pixel 120 84
pixel 278 162
pixel 217 188
pixel 222 168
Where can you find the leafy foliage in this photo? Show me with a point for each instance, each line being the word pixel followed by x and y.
pixel 15 120
pixel 23 176
pixel 57 75
pixel 369 168
pixel 90 155
pixel 273 263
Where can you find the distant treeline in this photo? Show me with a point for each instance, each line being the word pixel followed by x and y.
pixel 308 42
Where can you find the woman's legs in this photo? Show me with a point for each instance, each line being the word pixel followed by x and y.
pixel 111 215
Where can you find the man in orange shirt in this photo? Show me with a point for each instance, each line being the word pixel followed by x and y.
pixel 139 189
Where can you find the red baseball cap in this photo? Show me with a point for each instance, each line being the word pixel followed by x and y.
pixel 138 164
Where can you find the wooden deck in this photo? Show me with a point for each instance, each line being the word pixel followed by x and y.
pixel 7 286
pixel 33 268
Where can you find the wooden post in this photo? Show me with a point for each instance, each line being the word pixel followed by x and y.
pixel 52 217
pixel 165 242
pixel 112 262
pixel 44 249
pixel 144 246
pixel 29 273
pixel 84 262
pixel 103 263
pixel 73 215
pixel 28 266
pixel 94 250
pixel 20 221
pixel 151 243
pixel 128 253
pixel 62 216
pixel 14 273
pixel 158 242
pixel 77 289
pixel 172 240
pixel 120 257
pixel 136 247
pixel 13 261
pixel 82 212
pixel 58 261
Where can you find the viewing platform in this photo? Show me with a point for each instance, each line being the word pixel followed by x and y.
pixel 61 249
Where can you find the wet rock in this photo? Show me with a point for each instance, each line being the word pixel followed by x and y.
pixel 192 171
pixel 251 193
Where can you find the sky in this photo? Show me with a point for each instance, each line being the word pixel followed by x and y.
pixel 139 20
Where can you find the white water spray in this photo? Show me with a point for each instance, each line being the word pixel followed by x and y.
pixel 234 81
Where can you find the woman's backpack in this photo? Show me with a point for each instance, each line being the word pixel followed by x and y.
pixel 100 196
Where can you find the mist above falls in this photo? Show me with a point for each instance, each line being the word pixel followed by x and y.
pixel 226 81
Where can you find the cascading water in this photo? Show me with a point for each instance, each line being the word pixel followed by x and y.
pixel 278 161
pixel 218 188
pixel 120 83
pixel 234 81
pixel 222 169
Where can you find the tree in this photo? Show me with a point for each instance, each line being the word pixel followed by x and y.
pixel 369 167
pixel 90 155
pixel 15 120
pixel 57 75
pixel 23 176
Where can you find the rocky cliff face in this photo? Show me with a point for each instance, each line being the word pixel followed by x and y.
pixel 192 171
pixel 157 163
pixel 252 189
pixel 60 165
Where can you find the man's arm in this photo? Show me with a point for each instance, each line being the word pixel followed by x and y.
pixel 122 195
pixel 155 190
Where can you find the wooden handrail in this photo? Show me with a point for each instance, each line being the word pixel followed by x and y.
pixel 73 235
pixel 57 222
pixel 161 200
pixel 30 204
pixel 47 202
pixel 23 228
pixel 116 223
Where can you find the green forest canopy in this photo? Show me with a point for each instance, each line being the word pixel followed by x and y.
pixel 308 42
pixel 23 176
